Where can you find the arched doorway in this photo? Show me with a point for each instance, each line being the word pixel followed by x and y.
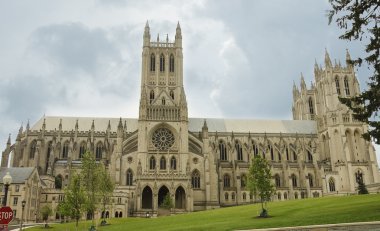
pixel 180 198
pixel 162 194
pixel 147 198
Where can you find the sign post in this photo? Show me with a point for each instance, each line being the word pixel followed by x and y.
pixel 6 216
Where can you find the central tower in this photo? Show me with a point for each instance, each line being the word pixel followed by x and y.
pixel 163 154
pixel 162 94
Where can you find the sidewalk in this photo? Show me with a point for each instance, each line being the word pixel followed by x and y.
pixel 357 226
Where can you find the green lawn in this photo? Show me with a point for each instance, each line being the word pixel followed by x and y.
pixel 287 213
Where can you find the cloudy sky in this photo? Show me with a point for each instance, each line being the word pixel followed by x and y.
pixel 83 58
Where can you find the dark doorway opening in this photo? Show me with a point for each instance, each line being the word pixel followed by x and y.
pixel 147 198
pixel 180 198
pixel 162 194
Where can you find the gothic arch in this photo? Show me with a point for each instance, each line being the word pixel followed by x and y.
pixel 162 192
pixel 222 150
pixel 147 198
pixel 180 198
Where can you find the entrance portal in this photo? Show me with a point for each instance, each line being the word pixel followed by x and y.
pixel 180 198
pixel 162 194
pixel 147 198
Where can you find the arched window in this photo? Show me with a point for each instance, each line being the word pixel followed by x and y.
pixel 311 106
pixel 255 150
pixel 65 150
pixel 243 181
pixel 337 85
pixel 129 177
pixel 152 163
pixel 163 101
pixel 226 196
pixel 151 96
pixel 279 157
pixel 98 151
pixel 152 62
pixel 162 63
pixel 58 182
pixel 309 156
pixel 233 196
pixel 222 150
pixel 82 150
pixel 279 196
pixel 173 163
pixel 171 63
pixel 332 184
pixel 359 177
pixel 296 195
pixel 171 94
pixel 239 151
pixel 294 180
pixel 285 196
pixel 346 86
pixel 196 179
pixel 162 163
pixel 226 181
pixel 271 152
pixel 277 180
pixel 244 196
pixel 33 148
pixel 294 156
pixel 311 180
pixel 287 154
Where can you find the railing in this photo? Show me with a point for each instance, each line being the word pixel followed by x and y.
pixel 161 44
pixel 163 113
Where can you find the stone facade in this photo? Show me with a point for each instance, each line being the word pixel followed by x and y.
pixel 203 163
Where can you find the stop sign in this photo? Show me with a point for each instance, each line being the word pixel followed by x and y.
pixel 6 215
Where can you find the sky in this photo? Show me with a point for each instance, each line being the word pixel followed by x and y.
pixel 83 58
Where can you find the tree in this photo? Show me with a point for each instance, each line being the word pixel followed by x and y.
pixel 74 203
pixel 362 189
pixel 106 187
pixel 91 182
pixel 168 202
pixel 360 21
pixel 46 211
pixel 259 181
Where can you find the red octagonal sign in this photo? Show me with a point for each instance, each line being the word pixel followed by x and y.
pixel 6 215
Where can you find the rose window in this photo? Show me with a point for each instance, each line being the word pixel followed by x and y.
pixel 163 139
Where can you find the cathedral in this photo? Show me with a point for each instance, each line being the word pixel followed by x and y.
pixel 202 163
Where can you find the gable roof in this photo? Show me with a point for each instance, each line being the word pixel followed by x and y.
pixel 19 175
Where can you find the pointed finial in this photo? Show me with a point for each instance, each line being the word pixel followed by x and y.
pixel 204 124
pixel 125 125
pixel 147 24
pixel 93 125
pixel 9 140
pixel 315 64
pixel 158 37
pixel 76 125
pixel 120 126
pixel 348 58
pixel 167 38
pixel 303 84
pixel 44 124
pixel 60 124
pixel 178 26
pixel 27 126
pixel 327 59
pixel 109 125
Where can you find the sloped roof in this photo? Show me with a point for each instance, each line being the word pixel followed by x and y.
pixel 19 175
pixel 195 125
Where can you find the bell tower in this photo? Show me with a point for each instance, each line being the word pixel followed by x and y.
pixel 162 93
pixel 163 134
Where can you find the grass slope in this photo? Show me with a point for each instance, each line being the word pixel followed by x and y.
pixel 326 210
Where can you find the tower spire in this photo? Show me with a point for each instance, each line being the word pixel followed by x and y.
pixel 178 36
pixel 146 34
pixel 327 59
pixel 303 84
pixel 348 59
